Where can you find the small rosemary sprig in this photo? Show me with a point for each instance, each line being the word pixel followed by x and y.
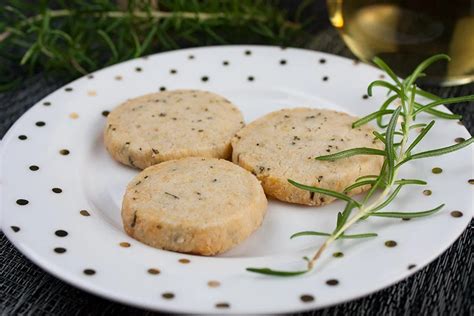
pixel 398 151
pixel 76 37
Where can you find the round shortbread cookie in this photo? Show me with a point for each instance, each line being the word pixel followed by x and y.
pixel 170 125
pixel 282 145
pixel 193 205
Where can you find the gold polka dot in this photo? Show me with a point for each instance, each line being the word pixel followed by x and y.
pixel 61 233
pixel 91 93
pixel 167 295
pixel 223 305
pixel 390 243
pixel 184 261
pixel 306 298
pixel 154 271
pixel 60 250
pixel 456 214
pixel 118 78
pixel 84 213
pixel 437 170
pixel 338 254
pixel 332 282
pixel 89 271
pixel 459 140
pixel 213 283
pixel 74 115
pixel 427 192
pixel 57 190
pixel 124 244
pixel 22 202
pixel 470 181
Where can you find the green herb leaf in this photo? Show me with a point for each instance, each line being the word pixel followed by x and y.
pixel 389 200
pixel 28 54
pixel 421 67
pixel 352 152
pixel 424 131
pixel 110 43
pixel 466 98
pixel 358 184
pixel 427 94
pixel 308 233
pixel 408 214
pixel 420 125
pixel 440 114
pixel 410 181
pixel 385 84
pixel 384 106
pixel 357 236
pixel 268 271
pixel 378 183
pixel 148 39
pixel 344 236
pixel 370 117
pixel 389 144
pixel 335 194
pixel 379 136
pixel 343 217
pixel 439 151
pixel 370 176
pixel 382 65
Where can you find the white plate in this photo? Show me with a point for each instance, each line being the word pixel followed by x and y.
pixel 90 180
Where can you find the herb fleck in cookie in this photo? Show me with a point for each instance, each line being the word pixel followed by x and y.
pixel 282 145
pixel 170 125
pixel 194 205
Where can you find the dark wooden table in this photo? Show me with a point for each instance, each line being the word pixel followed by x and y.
pixel 445 287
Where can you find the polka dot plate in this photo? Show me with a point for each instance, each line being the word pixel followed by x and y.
pixel 62 192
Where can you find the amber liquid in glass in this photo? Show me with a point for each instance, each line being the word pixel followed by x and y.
pixel 403 33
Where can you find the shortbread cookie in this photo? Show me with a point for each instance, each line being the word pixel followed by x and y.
pixel 282 145
pixel 170 125
pixel 193 205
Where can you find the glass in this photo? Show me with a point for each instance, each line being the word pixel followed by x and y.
pixel 403 33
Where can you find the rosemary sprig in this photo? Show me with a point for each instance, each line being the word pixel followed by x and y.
pixel 76 37
pixel 395 155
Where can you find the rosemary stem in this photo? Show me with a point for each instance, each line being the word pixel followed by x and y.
pixel 364 210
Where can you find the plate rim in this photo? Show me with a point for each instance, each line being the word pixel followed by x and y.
pixel 69 277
